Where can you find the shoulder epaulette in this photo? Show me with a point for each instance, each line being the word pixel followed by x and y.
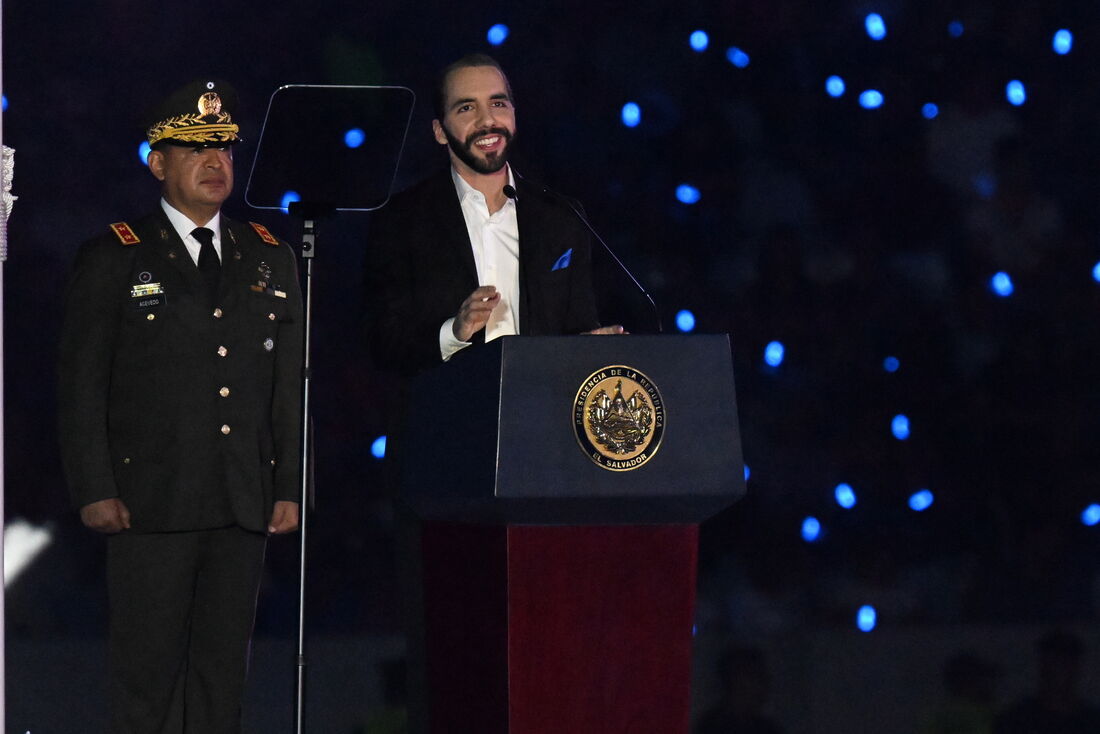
pixel 265 235
pixel 125 235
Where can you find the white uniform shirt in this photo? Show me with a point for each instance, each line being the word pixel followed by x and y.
pixel 184 226
pixel 494 239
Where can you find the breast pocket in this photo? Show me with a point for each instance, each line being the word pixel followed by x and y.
pixel 267 307
pixel 143 319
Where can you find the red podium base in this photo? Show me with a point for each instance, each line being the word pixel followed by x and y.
pixel 557 630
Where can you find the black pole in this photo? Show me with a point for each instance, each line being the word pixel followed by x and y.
pixel 309 242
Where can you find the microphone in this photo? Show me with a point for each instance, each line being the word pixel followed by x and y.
pixel 510 192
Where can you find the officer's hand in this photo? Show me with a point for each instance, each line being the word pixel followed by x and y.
pixel 284 518
pixel 106 516
pixel 616 329
pixel 474 312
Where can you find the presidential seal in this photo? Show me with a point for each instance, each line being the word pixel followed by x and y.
pixel 619 418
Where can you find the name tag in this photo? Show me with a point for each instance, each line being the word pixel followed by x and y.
pixel 142 303
pixel 269 291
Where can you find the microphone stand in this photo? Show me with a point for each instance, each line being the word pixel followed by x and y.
pixel 510 192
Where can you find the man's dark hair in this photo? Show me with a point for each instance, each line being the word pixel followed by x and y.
pixel 465 62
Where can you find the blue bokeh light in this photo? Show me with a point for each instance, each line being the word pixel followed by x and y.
pixel 378 447
pixel 891 364
pixel 866 618
pixel 921 500
pixel 143 151
pixel 845 495
pixel 1096 272
pixel 834 86
pixel 1001 283
pixel 685 321
pixel 748 472
pixel 930 111
pixel 984 184
pixel 876 26
pixel 699 41
pixel 899 426
pixel 871 99
pixel 687 194
pixel 737 57
pixel 1015 92
pixel 4 103
pixel 811 529
pixel 1063 42
pixel 1091 515
pixel 289 198
pixel 773 354
pixel 354 138
pixel 497 34
pixel 955 28
pixel 631 114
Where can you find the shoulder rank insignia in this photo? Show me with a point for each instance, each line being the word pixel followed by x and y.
pixel 264 234
pixel 125 235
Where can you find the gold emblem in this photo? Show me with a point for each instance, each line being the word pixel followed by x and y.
pixel 619 418
pixel 210 104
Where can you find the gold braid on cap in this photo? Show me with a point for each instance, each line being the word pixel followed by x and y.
pixel 190 128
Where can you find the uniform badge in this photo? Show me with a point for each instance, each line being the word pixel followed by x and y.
pixel 264 234
pixel 619 418
pixel 146 289
pixel 125 235
pixel 147 294
pixel 210 104
pixel 263 285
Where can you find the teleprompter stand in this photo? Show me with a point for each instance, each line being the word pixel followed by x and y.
pixel 324 149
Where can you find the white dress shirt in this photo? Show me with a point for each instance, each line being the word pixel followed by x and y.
pixel 494 239
pixel 184 226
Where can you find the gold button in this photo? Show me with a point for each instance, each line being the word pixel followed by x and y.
pixel 126 460
pixel 273 462
pixel 271 316
pixel 222 351
pixel 224 392
pixel 217 313
pixel 150 316
pixel 225 430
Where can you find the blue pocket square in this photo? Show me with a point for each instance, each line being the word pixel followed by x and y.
pixel 563 261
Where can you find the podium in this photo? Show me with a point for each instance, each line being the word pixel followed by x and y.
pixel 559 482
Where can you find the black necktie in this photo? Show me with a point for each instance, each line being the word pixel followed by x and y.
pixel 209 264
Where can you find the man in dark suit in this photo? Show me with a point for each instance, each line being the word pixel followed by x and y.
pixel 456 260
pixel 180 408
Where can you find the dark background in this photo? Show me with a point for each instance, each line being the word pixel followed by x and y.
pixel 847 234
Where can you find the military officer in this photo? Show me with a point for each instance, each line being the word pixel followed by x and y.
pixel 180 375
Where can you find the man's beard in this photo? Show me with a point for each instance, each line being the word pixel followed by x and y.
pixel 492 162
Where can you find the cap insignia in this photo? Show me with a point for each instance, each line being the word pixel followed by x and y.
pixel 210 104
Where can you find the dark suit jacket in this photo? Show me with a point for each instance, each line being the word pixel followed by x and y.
pixel 420 268
pixel 144 391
